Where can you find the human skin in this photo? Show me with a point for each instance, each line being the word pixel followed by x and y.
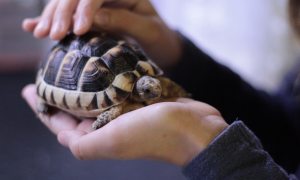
pixel 174 132
pixel 135 19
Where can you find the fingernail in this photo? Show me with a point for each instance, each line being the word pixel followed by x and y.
pixel 40 26
pixel 40 29
pixel 55 30
pixel 79 24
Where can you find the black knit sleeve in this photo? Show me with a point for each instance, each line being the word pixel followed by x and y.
pixel 274 119
pixel 235 154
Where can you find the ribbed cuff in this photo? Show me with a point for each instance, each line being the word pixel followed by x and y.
pixel 236 153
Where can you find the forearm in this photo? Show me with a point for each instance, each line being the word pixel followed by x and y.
pixel 235 154
pixel 215 84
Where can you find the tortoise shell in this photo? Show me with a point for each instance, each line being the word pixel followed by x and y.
pixel 88 74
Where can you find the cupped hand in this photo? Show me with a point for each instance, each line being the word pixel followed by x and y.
pixel 169 131
pixel 133 19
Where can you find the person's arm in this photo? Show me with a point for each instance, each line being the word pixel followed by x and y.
pixel 186 133
pixel 215 84
pixel 235 154
pixel 174 131
pixel 198 73
pixel 132 19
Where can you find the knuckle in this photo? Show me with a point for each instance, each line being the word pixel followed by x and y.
pixel 156 29
pixel 216 112
pixel 76 150
pixel 166 108
pixel 89 5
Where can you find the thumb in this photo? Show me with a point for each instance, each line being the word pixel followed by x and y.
pixel 159 42
pixel 100 144
pixel 30 24
pixel 142 28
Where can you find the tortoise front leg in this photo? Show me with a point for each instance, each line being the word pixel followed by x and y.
pixel 107 116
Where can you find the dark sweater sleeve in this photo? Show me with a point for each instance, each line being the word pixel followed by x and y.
pixel 274 119
pixel 235 154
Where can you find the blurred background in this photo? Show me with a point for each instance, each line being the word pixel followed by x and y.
pixel 251 37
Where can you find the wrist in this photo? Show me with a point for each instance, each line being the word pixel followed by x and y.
pixel 197 136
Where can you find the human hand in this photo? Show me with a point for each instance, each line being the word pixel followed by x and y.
pixel 170 131
pixel 136 19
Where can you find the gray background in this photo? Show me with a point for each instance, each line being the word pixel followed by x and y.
pixel 28 151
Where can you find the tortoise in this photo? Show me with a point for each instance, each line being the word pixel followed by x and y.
pixel 97 75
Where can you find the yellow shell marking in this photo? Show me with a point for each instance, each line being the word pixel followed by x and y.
pixel 124 82
pixel 145 65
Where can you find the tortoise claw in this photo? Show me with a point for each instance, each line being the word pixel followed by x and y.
pixel 42 108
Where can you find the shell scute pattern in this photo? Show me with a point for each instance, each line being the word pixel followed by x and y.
pixel 97 75
pixel 98 46
pixel 91 72
pixel 70 70
pixel 53 64
pixel 120 59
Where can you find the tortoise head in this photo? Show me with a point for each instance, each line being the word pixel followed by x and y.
pixel 148 88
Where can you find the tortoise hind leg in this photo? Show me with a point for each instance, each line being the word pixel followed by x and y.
pixel 170 89
pixel 42 107
pixel 107 116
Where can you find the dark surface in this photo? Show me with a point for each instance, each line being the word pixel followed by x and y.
pixel 28 151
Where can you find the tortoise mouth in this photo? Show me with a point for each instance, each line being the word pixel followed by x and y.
pixel 148 95
pixel 148 88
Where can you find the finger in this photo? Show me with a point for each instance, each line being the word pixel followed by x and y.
pixel 85 125
pixel 63 18
pixel 136 6
pixel 44 25
pixel 75 141
pixel 66 137
pixel 57 122
pixel 84 15
pixel 139 27
pixel 98 144
pixel 61 121
pixel 29 24
pixel 29 94
pixel 111 141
